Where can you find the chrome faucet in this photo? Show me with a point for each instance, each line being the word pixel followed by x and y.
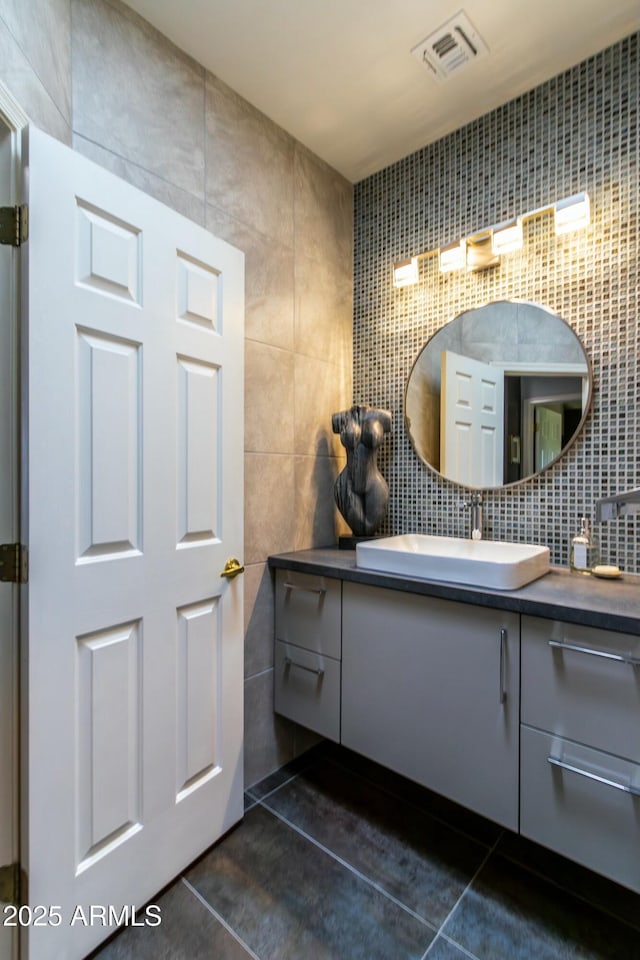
pixel 619 505
pixel 474 504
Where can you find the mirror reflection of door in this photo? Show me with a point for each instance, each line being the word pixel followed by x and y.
pixel 549 420
pixel 547 435
pixel 471 421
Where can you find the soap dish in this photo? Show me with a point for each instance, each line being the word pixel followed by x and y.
pixel 606 572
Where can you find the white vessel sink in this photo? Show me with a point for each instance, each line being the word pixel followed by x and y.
pixel 478 563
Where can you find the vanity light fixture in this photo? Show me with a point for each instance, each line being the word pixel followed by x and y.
pixel 572 213
pixel 480 255
pixel 484 248
pixel 405 273
pixel 507 236
pixel 453 256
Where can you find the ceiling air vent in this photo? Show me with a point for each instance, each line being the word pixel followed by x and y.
pixel 451 47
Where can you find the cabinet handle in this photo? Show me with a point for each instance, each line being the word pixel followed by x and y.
pixel 294 586
pixel 319 671
pixel 625 787
pixel 618 657
pixel 503 641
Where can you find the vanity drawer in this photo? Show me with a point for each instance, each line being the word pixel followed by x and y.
pixel 309 612
pixel 593 821
pixel 307 689
pixel 581 683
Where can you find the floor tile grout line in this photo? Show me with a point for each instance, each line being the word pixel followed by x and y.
pixel 594 904
pixel 457 903
pixel 312 762
pixel 221 920
pixel 454 943
pixel 415 806
pixel 351 868
pixel 284 783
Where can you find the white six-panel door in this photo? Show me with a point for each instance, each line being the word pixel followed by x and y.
pixel 134 664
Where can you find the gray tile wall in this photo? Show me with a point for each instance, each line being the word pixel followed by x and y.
pixel 93 73
pixel 579 131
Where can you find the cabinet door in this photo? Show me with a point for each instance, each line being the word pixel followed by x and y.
pixel 307 689
pixel 582 683
pixel 584 803
pixel 308 611
pixel 430 689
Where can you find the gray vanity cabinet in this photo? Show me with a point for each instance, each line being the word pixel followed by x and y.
pixel 580 745
pixel 307 651
pixel 430 689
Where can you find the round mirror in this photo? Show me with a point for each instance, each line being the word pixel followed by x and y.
pixel 497 394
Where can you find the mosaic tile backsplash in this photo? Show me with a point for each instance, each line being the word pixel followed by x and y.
pixel 579 131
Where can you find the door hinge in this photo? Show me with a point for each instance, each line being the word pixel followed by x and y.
pixel 12 884
pixel 14 225
pixel 14 563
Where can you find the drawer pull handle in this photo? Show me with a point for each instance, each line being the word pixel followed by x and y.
pixel 625 787
pixel 618 657
pixel 319 671
pixel 503 640
pixel 295 586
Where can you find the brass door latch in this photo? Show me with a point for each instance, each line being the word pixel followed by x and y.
pixel 232 568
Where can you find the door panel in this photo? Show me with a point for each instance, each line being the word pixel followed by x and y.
pixel 108 409
pixel 198 754
pixel 135 497
pixel 198 453
pixel 109 747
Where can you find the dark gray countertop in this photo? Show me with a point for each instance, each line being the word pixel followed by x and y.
pixel 561 595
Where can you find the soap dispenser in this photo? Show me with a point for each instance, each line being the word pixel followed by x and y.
pixel 583 553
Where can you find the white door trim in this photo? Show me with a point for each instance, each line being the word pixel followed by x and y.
pixel 12 120
pixel 10 110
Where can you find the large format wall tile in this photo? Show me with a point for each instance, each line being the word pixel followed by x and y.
pixel 21 79
pixel 323 212
pixel 185 203
pixel 268 740
pixel 249 163
pixel 269 399
pixel 268 279
pixel 42 31
pixel 314 408
pixel 324 309
pixel 258 619
pixel 318 522
pixel 269 505
pixel 136 94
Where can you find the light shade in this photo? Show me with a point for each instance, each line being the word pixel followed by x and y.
pixel 572 213
pixel 405 273
pixel 507 236
pixel 453 256
pixel 480 256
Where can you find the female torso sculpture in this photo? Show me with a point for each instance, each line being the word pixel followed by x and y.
pixel 361 491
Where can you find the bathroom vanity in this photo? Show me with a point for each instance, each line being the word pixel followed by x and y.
pixel 522 705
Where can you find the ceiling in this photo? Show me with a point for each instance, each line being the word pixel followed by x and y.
pixel 340 77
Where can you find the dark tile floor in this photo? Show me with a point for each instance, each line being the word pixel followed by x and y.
pixel 338 859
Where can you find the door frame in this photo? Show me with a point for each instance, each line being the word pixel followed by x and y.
pixel 12 120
